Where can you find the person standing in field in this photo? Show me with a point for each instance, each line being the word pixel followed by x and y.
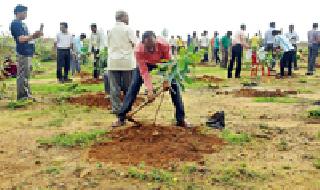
pixel 313 48
pixel 195 41
pixel 138 36
pixel 173 45
pixel 95 44
pixel 204 45
pixel 226 43
pixel 148 54
pixel 215 47
pixel 121 60
pixel 294 38
pixel 239 42
pixel 63 44
pixel 281 41
pixel 268 42
pixel 76 54
pixel 25 49
pixel 179 43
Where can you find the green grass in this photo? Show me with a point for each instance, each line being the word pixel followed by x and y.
pixel 52 170
pixel 233 138
pixel 65 89
pixel 74 139
pixel 56 122
pixel 19 104
pixel 285 100
pixel 316 163
pixel 315 114
pixel 305 91
pixel 234 176
pixel 155 175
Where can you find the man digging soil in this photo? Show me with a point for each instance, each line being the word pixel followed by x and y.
pixel 148 53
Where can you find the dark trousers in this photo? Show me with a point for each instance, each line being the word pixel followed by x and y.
pixel 286 59
pixel 313 53
pixel 295 61
pixel 63 60
pixel 173 49
pixel 216 55
pixel 205 55
pixel 134 90
pixel 96 69
pixel 235 54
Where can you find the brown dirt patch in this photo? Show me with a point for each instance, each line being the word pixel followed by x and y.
pixel 208 78
pixel 158 146
pixel 262 93
pixel 91 81
pixel 83 74
pixel 97 100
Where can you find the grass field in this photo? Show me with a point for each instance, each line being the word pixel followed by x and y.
pixel 271 142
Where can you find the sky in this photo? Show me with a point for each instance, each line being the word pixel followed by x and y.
pixel 180 17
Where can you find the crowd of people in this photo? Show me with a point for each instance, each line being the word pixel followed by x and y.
pixel 131 57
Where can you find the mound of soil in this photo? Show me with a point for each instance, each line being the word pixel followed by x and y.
pixel 91 81
pixel 207 78
pixel 83 75
pixel 158 146
pixel 248 92
pixel 97 100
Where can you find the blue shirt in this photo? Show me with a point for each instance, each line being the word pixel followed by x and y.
pixel 18 28
pixel 77 45
pixel 268 38
pixel 284 42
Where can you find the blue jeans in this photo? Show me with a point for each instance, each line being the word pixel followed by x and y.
pixel 236 54
pixel 134 90
pixel 313 53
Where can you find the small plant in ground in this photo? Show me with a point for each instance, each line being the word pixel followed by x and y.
pixel 155 175
pixel 234 175
pixel 189 169
pixel 235 138
pixel 275 100
pixel 263 126
pixel 74 139
pixel 56 122
pixel 316 163
pixel 304 91
pixel 286 167
pixel 315 114
pixel 19 104
pixel 52 170
pixel 283 145
pixel 303 80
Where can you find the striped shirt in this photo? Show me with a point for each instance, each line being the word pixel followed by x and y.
pixel 283 42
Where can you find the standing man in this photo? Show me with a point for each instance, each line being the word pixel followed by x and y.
pixel 76 53
pixel 96 43
pixel 63 45
pixel 173 45
pixel 121 61
pixel 138 36
pixel 25 50
pixel 204 43
pixel 226 43
pixel 239 42
pixel 294 38
pixel 195 41
pixel 313 48
pixel 148 53
pixel 281 41
pixel 215 45
pixel 268 42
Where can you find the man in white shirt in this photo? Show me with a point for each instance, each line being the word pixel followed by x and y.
pixel 121 59
pixel 294 38
pixel 268 42
pixel 64 44
pixel 204 44
pixel 96 43
pixel 239 42
pixel 173 45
